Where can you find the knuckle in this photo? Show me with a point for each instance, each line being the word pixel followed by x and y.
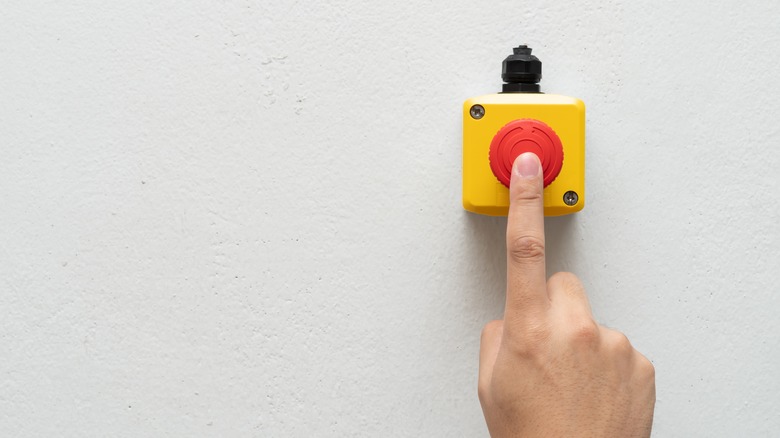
pixel 620 344
pixel 646 368
pixel 584 332
pixel 526 249
pixel 491 330
pixel 564 280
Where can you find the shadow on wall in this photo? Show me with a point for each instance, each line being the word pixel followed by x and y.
pixel 487 254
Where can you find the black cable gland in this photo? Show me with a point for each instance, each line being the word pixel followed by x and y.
pixel 521 71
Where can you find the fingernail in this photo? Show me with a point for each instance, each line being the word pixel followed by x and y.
pixel 527 165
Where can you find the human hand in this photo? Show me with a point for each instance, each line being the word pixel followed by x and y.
pixel 548 369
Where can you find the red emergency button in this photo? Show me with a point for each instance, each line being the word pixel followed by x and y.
pixel 526 135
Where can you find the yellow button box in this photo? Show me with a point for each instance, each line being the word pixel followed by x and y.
pixel 499 127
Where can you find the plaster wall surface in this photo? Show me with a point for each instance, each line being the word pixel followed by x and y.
pixel 235 218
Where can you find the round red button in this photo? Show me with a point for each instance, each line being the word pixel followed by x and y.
pixel 526 135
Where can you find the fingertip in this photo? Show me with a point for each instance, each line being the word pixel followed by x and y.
pixel 526 183
pixel 527 166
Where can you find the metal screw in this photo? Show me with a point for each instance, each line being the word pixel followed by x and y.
pixel 570 197
pixel 477 112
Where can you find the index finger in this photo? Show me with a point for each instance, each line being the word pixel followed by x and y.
pixel 526 295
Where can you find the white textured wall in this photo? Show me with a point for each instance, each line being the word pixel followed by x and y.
pixel 243 219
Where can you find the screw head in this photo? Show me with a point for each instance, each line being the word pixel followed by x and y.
pixel 477 112
pixel 570 197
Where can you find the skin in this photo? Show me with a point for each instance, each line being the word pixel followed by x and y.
pixel 548 369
